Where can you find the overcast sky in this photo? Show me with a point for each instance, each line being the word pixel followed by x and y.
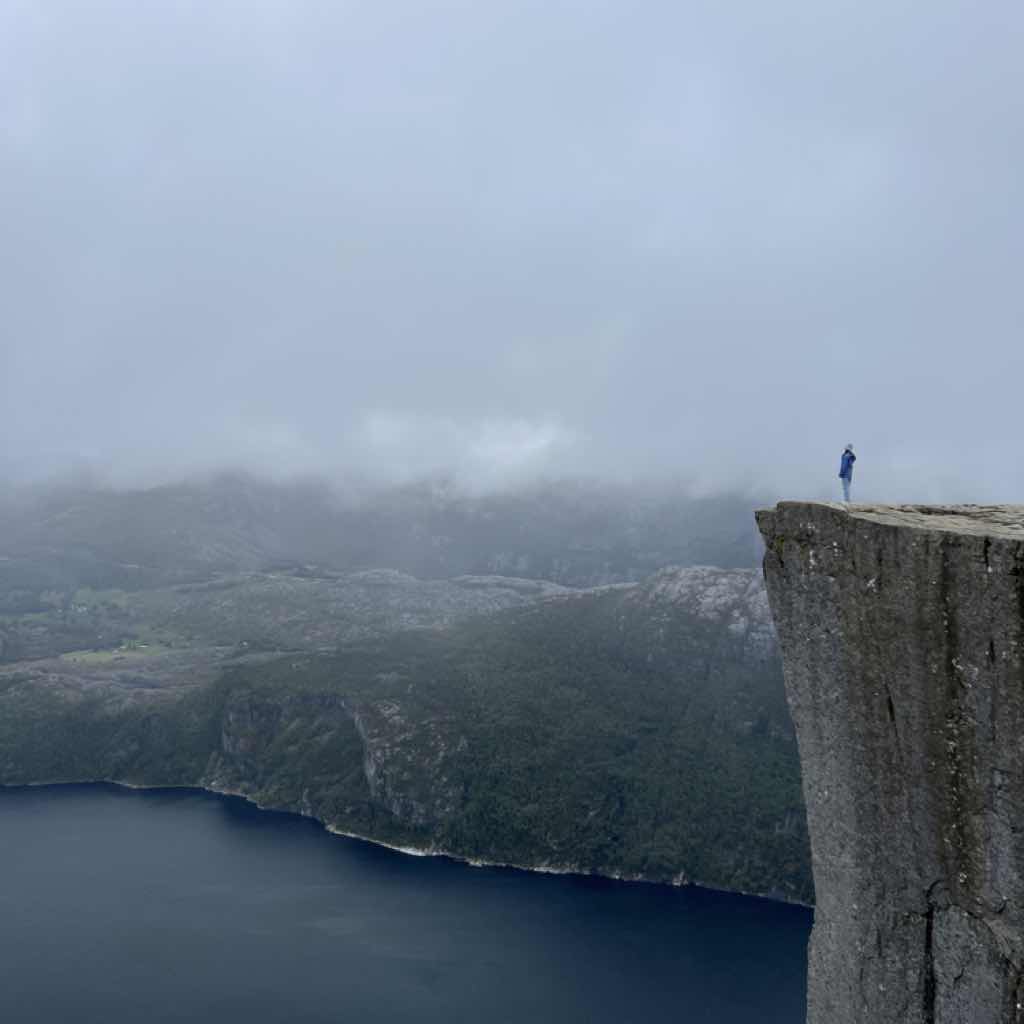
pixel 503 237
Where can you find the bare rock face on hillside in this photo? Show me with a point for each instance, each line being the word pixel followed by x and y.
pixel 902 634
pixel 734 598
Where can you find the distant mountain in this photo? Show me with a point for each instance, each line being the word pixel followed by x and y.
pixel 245 612
pixel 636 730
pixel 372 659
pixel 576 533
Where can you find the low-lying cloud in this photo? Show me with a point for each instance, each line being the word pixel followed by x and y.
pixel 711 241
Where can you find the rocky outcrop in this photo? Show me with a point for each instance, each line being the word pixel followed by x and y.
pixel 902 635
pixel 733 598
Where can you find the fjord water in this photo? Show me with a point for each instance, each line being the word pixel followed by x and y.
pixel 176 905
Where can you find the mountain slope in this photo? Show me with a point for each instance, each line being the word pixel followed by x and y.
pixel 633 730
pixel 571 532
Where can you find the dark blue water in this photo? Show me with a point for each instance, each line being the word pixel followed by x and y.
pixel 180 906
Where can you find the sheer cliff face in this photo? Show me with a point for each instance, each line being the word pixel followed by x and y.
pixel 902 634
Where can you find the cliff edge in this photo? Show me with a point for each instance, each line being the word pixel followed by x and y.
pixel 902 636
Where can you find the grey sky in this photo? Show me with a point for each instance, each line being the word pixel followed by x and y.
pixel 716 240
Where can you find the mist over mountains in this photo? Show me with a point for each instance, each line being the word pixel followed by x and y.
pixel 497 312
pixel 506 240
pixel 577 533
pixel 386 390
pixel 512 677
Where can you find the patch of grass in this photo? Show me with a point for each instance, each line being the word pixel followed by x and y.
pixel 128 654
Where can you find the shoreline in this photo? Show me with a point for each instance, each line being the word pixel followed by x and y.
pixel 679 882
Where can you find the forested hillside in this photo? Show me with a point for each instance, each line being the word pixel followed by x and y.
pixel 638 731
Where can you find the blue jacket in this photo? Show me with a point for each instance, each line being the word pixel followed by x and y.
pixel 846 465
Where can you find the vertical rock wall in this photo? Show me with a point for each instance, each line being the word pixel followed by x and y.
pixel 902 634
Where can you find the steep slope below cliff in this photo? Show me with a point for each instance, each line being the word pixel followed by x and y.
pixel 638 731
pixel 902 632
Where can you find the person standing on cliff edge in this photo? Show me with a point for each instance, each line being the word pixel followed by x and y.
pixel 846 471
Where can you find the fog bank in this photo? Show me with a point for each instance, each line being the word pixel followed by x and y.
pixel 709 242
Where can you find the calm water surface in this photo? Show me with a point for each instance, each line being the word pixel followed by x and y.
pixel 181 906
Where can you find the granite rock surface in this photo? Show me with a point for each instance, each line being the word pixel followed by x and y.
pixel 902 635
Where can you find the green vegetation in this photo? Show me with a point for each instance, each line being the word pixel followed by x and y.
pixel 129 653
pixel 150 638
pixel 612 733
pixel 59 735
